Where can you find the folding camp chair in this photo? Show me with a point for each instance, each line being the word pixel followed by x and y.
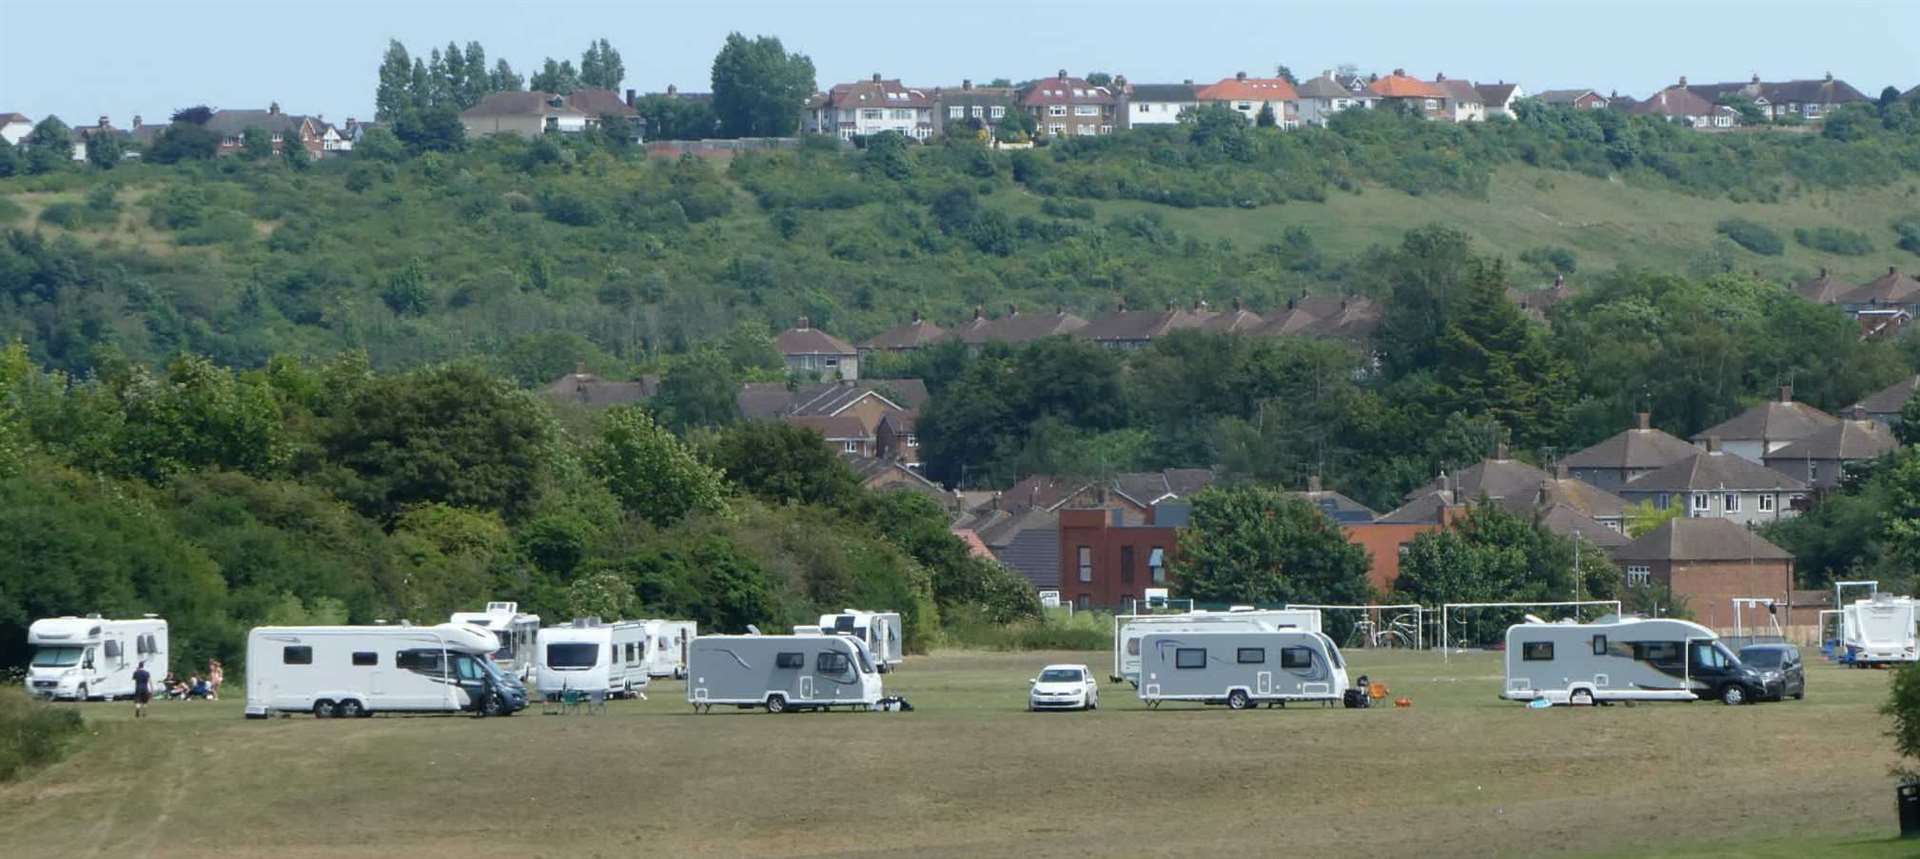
pixel 596 701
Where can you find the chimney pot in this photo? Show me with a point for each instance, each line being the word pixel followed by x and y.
pixel 1239 76
pixel 1399 73
pixel 1683 80
pixel 273 108
pixel 1645 420
pixel 803 323
pixel 1829 77
pixel 104 123
pixel 1439 76
pixel 1187 82
pixel 1756 77
pixel 1713 444
pixel 630 97
pixel 1786 393
pixel 916 317
pixel 876 77
pixel 966 83
pixel 673 89
pixel 1063 74
pixel 977 312
pixel 1236 303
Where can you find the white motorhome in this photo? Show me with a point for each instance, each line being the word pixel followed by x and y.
pixel 1878 631
pixel 1128 630
pixel 880 631
pixel 515 631
pixel 591 656
pixel 671 638
pixel 1240 668
pixel 78 658
pixel 348 671
pixel 781 672
pixel 1624 659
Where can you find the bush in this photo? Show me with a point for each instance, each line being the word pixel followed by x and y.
pixel 219 228
pixel 1752 236
pixel 1907 228
pixel 1550 259
pixel 1076 209
pixel 1054 631
pixel 1835 240
pixel 32 734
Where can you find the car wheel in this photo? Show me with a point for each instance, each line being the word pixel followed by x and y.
pixel 494 705
pixel 348 709
pixel 777 704
pixel 80 695
pixel 1800 695
pixel 1734 694
pixel 1237 700
pixel 323 709
pixel 1581 697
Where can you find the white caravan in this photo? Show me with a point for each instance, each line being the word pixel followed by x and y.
pixel 515 631
pixel 671 638
pixel 348 671
pixel 781 672
pixel 1128 630
pixel 1240 668
pixel 87 657
pixel 590 656
pixel 878 630
pixel 1878 631
pixel 1624 659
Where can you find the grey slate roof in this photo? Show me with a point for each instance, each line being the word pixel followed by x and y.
pixel 1147 487
pixel 911 335
pixel 1018 327
pixel 1338 507
pixel 1714 470
pixel 806 340
pixel 1164 92
pixel 1322 87
pixel 1894 287
pixel 1847 440
pixel 1562 96
pixel 1632 449
pixel 1513 485
pixel 1702 539
pixel 1892 398
pixel 764 400
pixel 527 103
pixel 591 390
pixel 1131 325
pixel 1035 554
pixel 1566 521
pixel 1780 419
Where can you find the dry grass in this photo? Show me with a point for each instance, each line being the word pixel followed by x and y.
pixel 970 774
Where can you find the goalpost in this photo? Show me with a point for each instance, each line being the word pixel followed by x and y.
pixel 1385 625
pixel 1446 614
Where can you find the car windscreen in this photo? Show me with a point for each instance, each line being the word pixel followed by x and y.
pixel 572 656
pixel 506 644
pixel 1762 657
pixel 1061 675
pixel 56 657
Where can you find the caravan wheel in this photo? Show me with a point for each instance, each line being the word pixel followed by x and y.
pixel 1581 698
pixel 1237 699
pixel 777 704
pixel 349 709
pixel 323 709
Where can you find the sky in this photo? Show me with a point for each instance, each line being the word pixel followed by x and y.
pixel 81 59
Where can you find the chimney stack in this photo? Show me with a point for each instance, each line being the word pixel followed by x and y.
pixel 803 323
pixel 977 313
pixel 916 317
pixel 1683 80
pixel 1187 82
pixel 1645 420
pixel 630 96
pixel 1559 280
pixel 1713 444
pixel 273 108
pixel 966 83
pixel 1063 74
pixel 1012 309
pixel 1313 483
pixel 1399 73
pixel 673 89
pixel 1439 77
pixel 1239 76
pixel 105 123
pixel 1500 450
pixel 1859 412
pixel 136 121
pixel 1786 393
pixel 876 77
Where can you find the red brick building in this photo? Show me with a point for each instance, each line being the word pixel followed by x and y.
pixel 1104 561
pixel 1708 562
pixel 1384 542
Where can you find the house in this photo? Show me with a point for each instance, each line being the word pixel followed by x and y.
pixel 1237 320
pixel 586 389
pixel 843 433
pixel 1318 99
pixel 14 127
pixel 523 114
pixel 1706 563
pixel 1628 455
pixel 1351 318
pixel 1891 291
pixel 869 107
pixel 866 401
pixel 1564 503
pixel 1819 459
pixel 972 107
pixel 603 106
pixel 1158 104
pixel 1884 406
pixel 1410 94
pixel 897 438
pixel 1499 98
pixel 1341 509
pixel 142 134
pixel 1128 496
pixel 232 126
pixel 1066 106
pixel 812 352
pixel 1250 96
pixel 916 334
pixel 1583 99
pixel 1714 483
pixel 104 128
pixel 1386 544
pixel 1016 328
pixel 1106 562
pixel 1823 288
pixel 1767 427
pixel 1463 102
pixel 885 475
pixel 1807 99
pixel 1535 304
pixel 1681 104
pixel 1134 329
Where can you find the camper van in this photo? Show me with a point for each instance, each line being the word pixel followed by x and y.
pixel 515 631
pixel 590 656
pixel 1624 659
pixel 77 658
pixel 348 671
pixel 1878 631
pixel 1129 630
pixel 671 638
pixel 1240 668
pixel 781 672
pixel 878 630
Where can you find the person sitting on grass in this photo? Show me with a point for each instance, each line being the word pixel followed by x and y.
pixel 198 688
pixel 173 687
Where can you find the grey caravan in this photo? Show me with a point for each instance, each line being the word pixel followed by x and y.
pixel 1624 659
pixel 1240 668
pixel 781 672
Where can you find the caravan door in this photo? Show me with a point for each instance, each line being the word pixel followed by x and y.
pixel 806 687
pixel 1263 683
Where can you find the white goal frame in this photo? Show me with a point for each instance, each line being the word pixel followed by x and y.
pixel 1420 613
pixel 1446 612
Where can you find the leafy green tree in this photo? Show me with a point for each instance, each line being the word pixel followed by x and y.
pixel 1907 428
pixel 759 88
pixel 604 595
pixel 49 146
pixel 1491 555
pixel 182 141
pixel 781 463
pixel 476 81
pixel 9 159
pixel 395 95
pixel 452 556
pixel 699 390
pixel 600 66
pixel 407 292
pixel 505 79
pixel 1251 543
pixel 1265 119
pixel 436 129
pixel 1643 518
pixel 555 77
pixel 256 144
pixel 104 150
pixel 655 476
pixel 1286 74
pixel 1903 707
pixel 674 118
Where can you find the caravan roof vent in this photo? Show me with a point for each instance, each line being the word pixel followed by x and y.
pixel 93 615
pixel 1533 619
pixel 585 622
pixel 752 630
pixel 1240 608
pixel 509 607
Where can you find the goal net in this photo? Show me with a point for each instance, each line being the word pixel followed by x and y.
pixel 1389 626
pixel 1479 625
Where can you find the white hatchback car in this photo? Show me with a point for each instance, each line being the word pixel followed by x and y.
pixel 1064 687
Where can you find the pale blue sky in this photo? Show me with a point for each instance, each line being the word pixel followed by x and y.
pixel 82 58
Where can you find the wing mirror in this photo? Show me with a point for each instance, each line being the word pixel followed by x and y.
pixel 1031 681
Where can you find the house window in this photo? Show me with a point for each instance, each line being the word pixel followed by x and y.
pixel 1766 502
pixel 363 657
pixel 296 656
pixel 1084 557
pixel 873 113
pixel 1056 130
pixel 1702 502
pixel 903 114
pixel 1244 107
pixel 1732 502
pixel 1536 651
pixel 1126 564
pixel 1082 602
pixel 1663 501
pixel 1057 110
pixel 957 112
pixel 1250 656
pixel 978 111
pixel 1432 104
pixel 1106 129
pixel 913 440
pixel 1638 576
pixel 998 111
pixel 1143 107
pixel 851 446
pixel 1813 472
pixel 1189 657
pixel 1157 565
pixel 1296 657
pixel 1086 110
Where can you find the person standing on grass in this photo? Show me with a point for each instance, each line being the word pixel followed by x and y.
pixel 142 690
pixel 215 674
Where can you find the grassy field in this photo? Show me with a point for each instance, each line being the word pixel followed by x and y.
pixel 1460 773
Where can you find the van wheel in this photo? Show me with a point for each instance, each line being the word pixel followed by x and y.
pixel 323 709
pixel 777 704
pixel 492 705
pixel 348 709
pixel 1237 700
pixel 1734 694
pixel 81 694
pixel 1800 695
pixel 1581 697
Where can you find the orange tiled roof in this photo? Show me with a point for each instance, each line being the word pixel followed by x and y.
pixel 1399 85
pixel 1249 89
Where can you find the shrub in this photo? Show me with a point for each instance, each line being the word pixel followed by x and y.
pixel 1076 209
pixel 1907 228
pixel 65 215
pixel 10 211
pixel 219 228
pixel 1550 259
pixel 1752 236
pixel 32 733
pixel 1835 240
pixel 1054 631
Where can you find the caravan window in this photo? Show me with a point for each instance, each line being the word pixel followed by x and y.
pixel 1662 655
pixel 1251 656
pixel 833 663
pixel 296 656
pixel 1133 647
pixel 431 662
pixel 506 644
pixel 1536 651
pixel 468 667
pixel 364 657
pixel 113 649
pixel 1296 657
pixel 1599 645
pixel 1190 657
pixel 572 656
pixel 790 660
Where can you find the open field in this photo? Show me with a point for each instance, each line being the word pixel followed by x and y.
pixel 970 774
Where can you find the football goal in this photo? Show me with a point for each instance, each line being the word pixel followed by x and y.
pixel 1376 625
pixel 1480 624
